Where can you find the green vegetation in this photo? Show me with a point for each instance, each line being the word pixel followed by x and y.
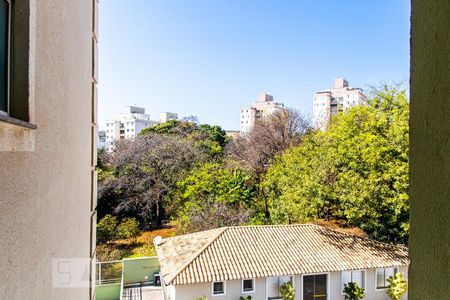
pixel 354 173
pixel 128 228
pixel 214 196
pixel 287 291
pixel 398 286
pixel 141 246
pixel 353 292
pixel 109 229
pixel 106 229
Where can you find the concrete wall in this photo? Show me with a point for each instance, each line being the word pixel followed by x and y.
pixel 430 150
pixel 46 198
pixel 140 269
pixel 108 292
pixel 233 288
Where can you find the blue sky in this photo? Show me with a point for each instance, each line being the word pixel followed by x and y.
pixel 210 57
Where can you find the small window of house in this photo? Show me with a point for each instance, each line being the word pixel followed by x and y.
pixel 383 275
pixel 356 276
pixel 218 288
pixel 248 285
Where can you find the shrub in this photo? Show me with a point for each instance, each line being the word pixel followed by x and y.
pixel 246 298
pixel 398 286
pixel 106 229
pixel 287 291
pixel 202 298
pixel 128 228
pixel 353 292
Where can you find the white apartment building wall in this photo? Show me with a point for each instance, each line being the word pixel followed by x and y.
pixel 48 152
pixel 166 116
pixel 127 125
pixel 329 102
pixel 258 110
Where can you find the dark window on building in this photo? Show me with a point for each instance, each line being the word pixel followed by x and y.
pixel 5 28
pixel 218 288
pixel 315 287
pixel 247 285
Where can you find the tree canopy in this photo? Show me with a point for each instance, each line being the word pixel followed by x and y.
pixel 356 171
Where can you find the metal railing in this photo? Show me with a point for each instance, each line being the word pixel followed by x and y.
pixel 108 272
pixel 133 292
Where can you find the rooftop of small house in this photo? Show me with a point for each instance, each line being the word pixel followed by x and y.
pixel 240 252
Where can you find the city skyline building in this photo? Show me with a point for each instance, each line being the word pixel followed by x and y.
pixel 329 102
pixel 258 110
pixel 127 125
pixel 167 116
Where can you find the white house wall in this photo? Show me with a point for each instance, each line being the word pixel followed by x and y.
pixel 234 288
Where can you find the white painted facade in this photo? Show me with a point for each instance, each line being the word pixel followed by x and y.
pixel 329 102
pixel 127 125
pixel 167 116
pixel 258 110
pixel 265 288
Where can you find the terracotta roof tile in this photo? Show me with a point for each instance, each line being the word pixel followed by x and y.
pixel 259 251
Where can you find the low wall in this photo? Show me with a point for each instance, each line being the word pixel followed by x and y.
pixel 139 269
pixel 108 292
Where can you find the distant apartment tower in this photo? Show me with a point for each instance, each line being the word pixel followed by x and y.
pixel 329 102
pixel 167 116
pixel 127 125
pixel 258 110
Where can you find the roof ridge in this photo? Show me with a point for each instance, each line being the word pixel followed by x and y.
pixel 202 249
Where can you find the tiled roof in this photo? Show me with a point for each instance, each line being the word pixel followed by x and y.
pixel 260 251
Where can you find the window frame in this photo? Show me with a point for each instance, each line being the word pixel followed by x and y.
pixel 8 58
pixel 253 286
pixel 328 283
pixel 358 270
pixel 377 289
pixel 224 288
pixel 21 63
pixel 267 287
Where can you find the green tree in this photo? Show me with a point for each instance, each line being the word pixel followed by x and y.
pixel 287 291
pixel 268 138
pixel 144 175
pixel 210 139
pixel 356 171
pixel 353 292
pixel 106 229
pixel 398 286
pixel 128 228
pixel 177 127
pixel 214 195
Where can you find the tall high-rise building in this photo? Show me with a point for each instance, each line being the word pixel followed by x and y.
pixel 329 102
pixel 258 110
pixel 127 125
